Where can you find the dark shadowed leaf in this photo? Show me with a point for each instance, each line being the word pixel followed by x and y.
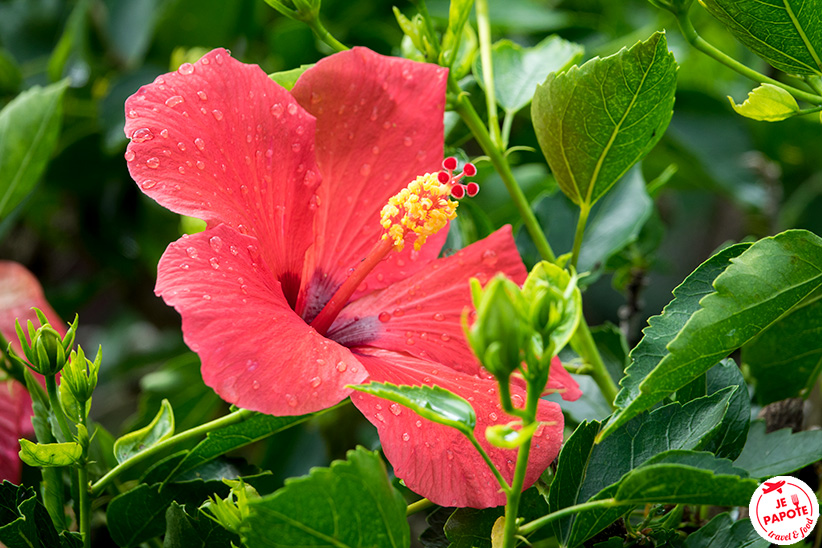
pixel 778 453
pixel 722 531
pixel 24 521
pixel 184 530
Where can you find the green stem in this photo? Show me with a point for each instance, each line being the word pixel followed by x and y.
pixel 505 399
pixel 583 343
pixel 57 407
pixel 584 211
pixel 463 107
pixel 322 33
pixel 418 506
pixel 532 526
pixel 506 128
pixel 473 439
pixel 699 43
pixel 815 82
pixel 514 494
pixel 182 437
pixel 484 31
pixel 85 505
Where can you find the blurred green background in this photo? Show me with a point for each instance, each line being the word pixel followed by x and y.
pixel 94 239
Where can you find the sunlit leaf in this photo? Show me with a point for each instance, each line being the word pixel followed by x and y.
pixel 159 429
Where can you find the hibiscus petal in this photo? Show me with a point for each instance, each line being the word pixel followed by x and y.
pixel 255 351
pixel 562 382
pixel 421 314
pixel 438 462
pixel 19 292
pixel 379 125
pixel 220 141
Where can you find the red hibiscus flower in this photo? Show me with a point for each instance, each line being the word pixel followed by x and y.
pixel 291 185
pixel 19 292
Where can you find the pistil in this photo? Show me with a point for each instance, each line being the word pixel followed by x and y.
pixel 418 211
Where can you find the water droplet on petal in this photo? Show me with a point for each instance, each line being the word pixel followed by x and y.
pixel 315 382
pixel 406 437
pixel 341 367
pixel 184 266
pixel 132 114
pixel 200 165
pixel 255 385
pixel 142 135
pixel 395 409
pixel 492 416
pixel 218 115
pixel 296 147
pixel 398 312
pixel 164 133
pixel 200 143
pixel 153 162
pixel 292 109
pixel 379 417
pixel 419 424
pixel 192 252
pixel 219 59
pixel 449 454
pixel 384 317
pixel 206 297
pixel 202 95
pixel 516 399
pixel 277 110
pixel 216 243
pixel 129 155
pixel 291 400
pixel 409 341
pixel 439 317
pixel 147 184
pixel 365 170
pixel 489 257
pixel 408 141
pixel 174 100
pixel 186 68
pixel 445 337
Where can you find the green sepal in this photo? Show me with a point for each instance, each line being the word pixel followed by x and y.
pixel 430 402
pixel 44 455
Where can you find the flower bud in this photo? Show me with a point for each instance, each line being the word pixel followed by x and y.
pixel 78 381
pixel 231 511
pixel 499 331
pixel 44 349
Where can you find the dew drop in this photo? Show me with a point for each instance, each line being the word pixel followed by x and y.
pixel 408 141
pixel 406 437
pixel 186 68
pixel 445 337
pixel 379 417
pixel 292 109
pixel 153 162
pixel 218 114
pixel 419 424
pixel 492 416
pixel 365 170
pixel 296 147
pixel 439 317
pixel 234 250
pixel 398 312
pixel 516 399
pixel 184 266
pixel 174 100
pixel 164 133
pixel 449 454
pixel 341 367
pixel 219 59
pixel 255 385
pixel 192 252
pixel 216 243
pixel 182 170
pixel 129 155
pixel 132 114
pixel 315 98
pixel 206 297
pixel 252 365
pixel 384 317
pixel 291 400
pixel 395 409
pixel 315 382
pixel 409 341
pixel 202 95
pixel 142 135
pixel 489 257
pixel 200 165
pixel 200 143
pixel 277 110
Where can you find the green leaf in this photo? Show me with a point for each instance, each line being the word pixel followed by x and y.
pixel 670 483
pixel 195 531
pixel 458 12
pixel 664 328
pixel 785 33
pixel 161 428
pixel 733 431
pixel 596 121
pixel 786 359
pixel 24 521
pixel 588 471
pixel 29 127
pixel 760 286
pixel 350 504
pixel 518 70
pixel 287 78
pixel 50 454
pixel 430 402
pixel 778 453
pixel 722 532
pixel 224 440
pixel 139 514
pixel 767 103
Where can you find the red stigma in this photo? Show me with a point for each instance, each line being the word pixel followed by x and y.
pixel 449 164
pixel 458 191
pixel 472 188
pixel 447 177
pixel 443 177
pixel 469 170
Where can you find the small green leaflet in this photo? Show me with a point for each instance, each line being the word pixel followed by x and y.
pixel 50 454
pixel 159 429
pixel 767 103
pixel 596 121
pixel 430 402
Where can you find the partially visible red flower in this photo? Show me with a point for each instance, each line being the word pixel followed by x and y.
pixel 291 186
pixel 19 292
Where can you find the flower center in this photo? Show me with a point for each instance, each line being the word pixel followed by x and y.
pixel 421 209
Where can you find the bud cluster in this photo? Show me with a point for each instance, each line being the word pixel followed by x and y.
pixel 45 350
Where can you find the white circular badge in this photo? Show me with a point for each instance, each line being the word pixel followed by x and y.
pixel 784 510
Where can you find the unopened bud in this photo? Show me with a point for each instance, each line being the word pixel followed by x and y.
pixel 231 511
pixel 45 350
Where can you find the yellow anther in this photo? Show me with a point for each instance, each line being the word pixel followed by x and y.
pixel 423 207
